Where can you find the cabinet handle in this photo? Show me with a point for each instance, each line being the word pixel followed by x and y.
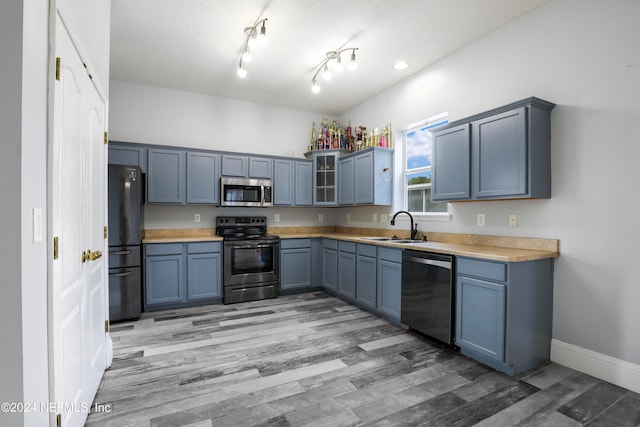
pixel 126 273
pixel 128 252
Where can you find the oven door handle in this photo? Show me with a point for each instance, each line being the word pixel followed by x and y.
pixel 244 246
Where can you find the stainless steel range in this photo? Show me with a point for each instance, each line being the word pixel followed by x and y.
pixel 251 259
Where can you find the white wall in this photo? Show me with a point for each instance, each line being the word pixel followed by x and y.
pixel 154 115
pixel 585 57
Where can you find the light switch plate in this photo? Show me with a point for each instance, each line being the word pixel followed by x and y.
pixel 513 220
pixel 384 218
pixel 320 218
pixel 276 218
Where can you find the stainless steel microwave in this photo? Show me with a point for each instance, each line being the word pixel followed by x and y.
pixel 246 192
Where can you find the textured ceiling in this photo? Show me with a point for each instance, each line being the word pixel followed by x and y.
pixel 195 45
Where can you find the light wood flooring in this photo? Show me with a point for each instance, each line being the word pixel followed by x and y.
pixel 311 359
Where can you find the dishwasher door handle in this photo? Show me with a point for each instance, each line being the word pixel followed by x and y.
pixel 443 264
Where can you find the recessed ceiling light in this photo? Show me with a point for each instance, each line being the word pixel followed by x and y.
pixel 400 65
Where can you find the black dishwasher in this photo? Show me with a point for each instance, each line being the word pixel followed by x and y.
pixel 428 300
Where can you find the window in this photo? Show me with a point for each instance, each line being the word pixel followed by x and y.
pixel 417 167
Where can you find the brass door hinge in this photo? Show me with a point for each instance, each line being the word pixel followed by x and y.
pixel 106 137
pixel 58 68
pixel 106 233
pixel 106 326
pixel 55 248
pixel 58 420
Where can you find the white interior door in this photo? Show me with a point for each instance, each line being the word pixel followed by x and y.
pixel 77 297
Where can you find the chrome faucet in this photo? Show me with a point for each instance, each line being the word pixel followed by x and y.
pixel 414 230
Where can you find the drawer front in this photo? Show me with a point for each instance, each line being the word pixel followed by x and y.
pixel 295 243
pixel 329 243
pixel 367 250
pixel 347 247
pixel 485 269
pixel 204 247
pixel 163 249
pixel 394 255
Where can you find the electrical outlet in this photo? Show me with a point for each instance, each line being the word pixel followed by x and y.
pixel 374 218
pixel 276 217
pixel 513 220
pixel 320 218
pixel 196 217
pixel 384 218
pixel 348 217
pixel 480 220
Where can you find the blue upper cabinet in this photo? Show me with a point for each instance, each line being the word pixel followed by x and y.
pixel 292 181
pixel 247 166
pixel 260 167
pixel 509 155
pixel 121 153
pixel 346 184
pixel 166 179
pixel 373 177
pixel 203 177
pixel 451 170
pixel 303 183
pixel 366 178
pixel 179 177
pixel 235 165
pixel 500 155
pixel 283 182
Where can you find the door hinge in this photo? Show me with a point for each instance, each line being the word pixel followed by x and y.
pixel 55 248
pixel 58 68
pixel 58 420
pixel 106 233
pixel 106 326
pixel 106 137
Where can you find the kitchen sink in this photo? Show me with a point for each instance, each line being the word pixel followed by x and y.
pixel 389 239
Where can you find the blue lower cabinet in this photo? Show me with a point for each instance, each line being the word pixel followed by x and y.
pixel 347 270
pixel 366 281
pixel 480 316
pixel 504 312
pixel 203 273
pixel 389 282
pixel 330 264
pixel 164 279
pixel 295 264
pixel 182 274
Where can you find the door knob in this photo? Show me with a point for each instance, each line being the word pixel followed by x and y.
pixel 92 256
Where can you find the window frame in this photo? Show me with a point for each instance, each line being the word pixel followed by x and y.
pixel 431 122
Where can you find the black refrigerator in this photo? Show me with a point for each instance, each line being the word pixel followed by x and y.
pixel 125 242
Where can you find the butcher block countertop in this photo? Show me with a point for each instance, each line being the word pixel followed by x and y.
pixel 497 248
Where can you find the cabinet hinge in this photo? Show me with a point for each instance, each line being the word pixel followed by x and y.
pixel 58 68
pixel 106 234
pixel 58 420
pixel 106 326
pixel 106 137
pixel 55 248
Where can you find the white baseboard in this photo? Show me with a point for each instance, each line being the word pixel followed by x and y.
pixel 607 368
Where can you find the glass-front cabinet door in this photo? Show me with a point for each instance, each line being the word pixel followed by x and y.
pixel 325 178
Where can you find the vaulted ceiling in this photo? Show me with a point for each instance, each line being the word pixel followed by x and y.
pixel 195 45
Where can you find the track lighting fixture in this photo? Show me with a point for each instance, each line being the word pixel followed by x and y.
pixel 336 66
pixel 254 37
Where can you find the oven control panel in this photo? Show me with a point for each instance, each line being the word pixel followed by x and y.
pixel 223 221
